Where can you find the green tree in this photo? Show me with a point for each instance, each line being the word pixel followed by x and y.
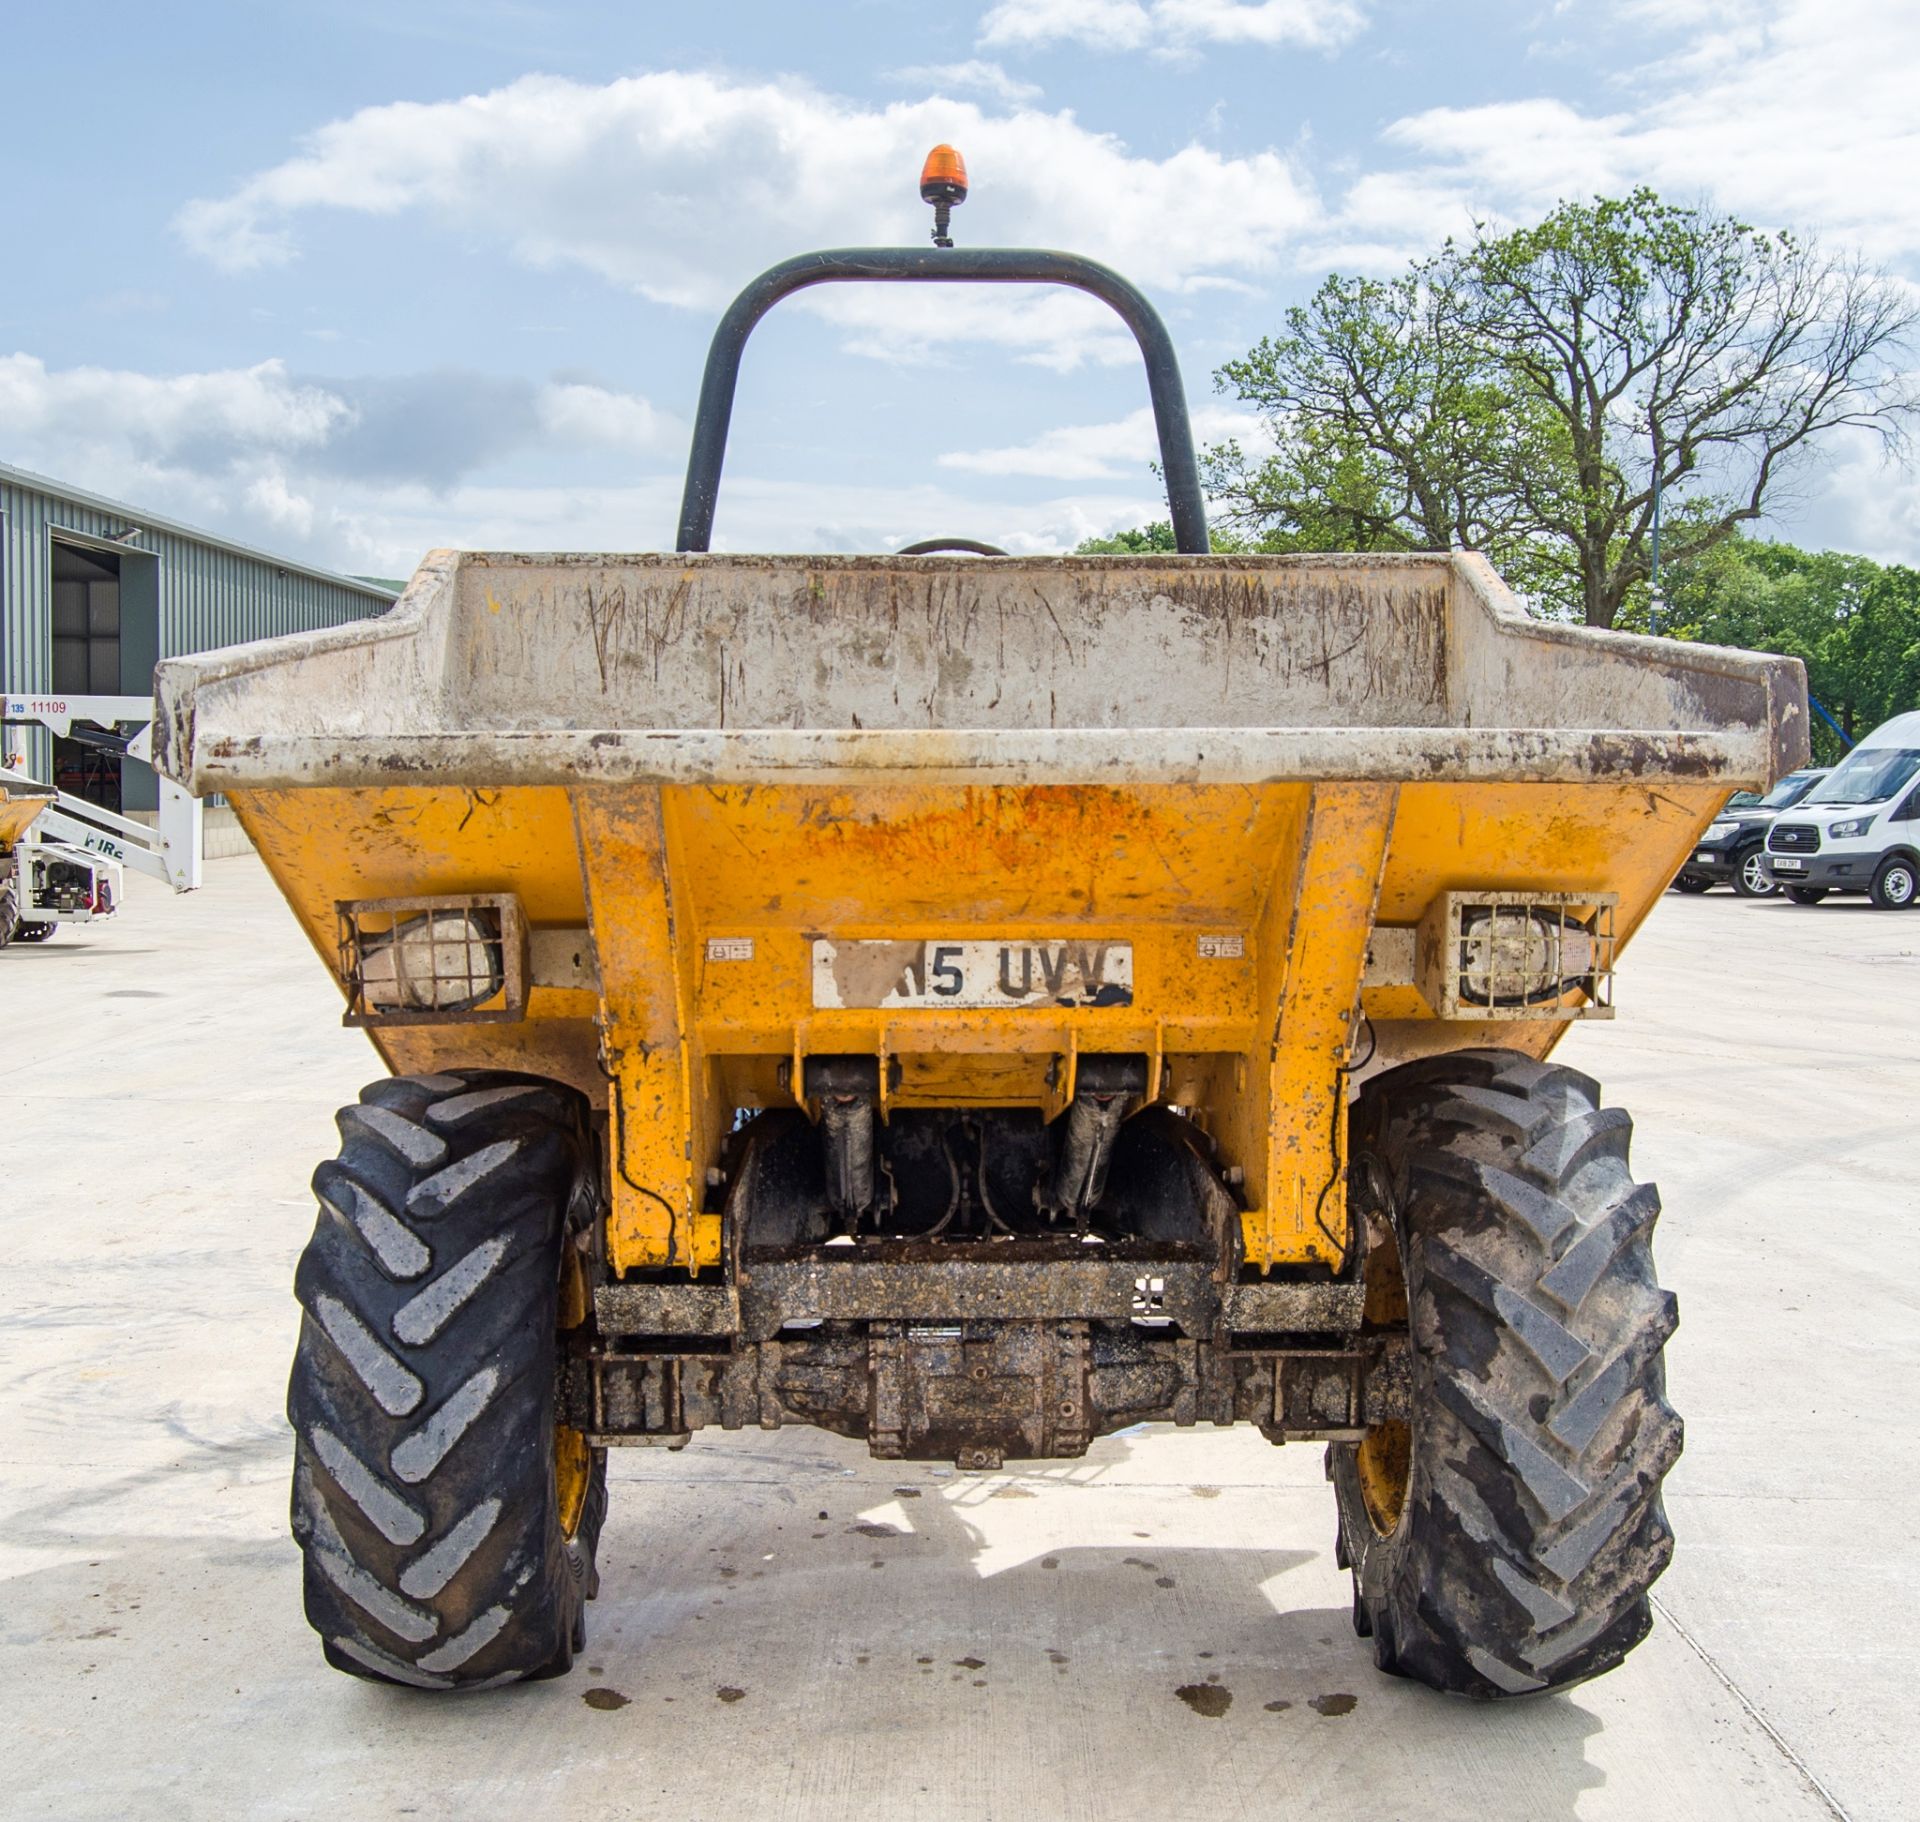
pixel 1392 428
pixel 1854 623
pixel 1520 393
pixel 1148 540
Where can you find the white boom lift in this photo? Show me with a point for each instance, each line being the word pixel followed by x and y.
pixel 67 865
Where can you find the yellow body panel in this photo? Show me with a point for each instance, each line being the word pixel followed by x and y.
pixel 18 812
pixel 1255 1044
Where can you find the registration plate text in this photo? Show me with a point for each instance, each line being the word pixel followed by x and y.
pixel 972 974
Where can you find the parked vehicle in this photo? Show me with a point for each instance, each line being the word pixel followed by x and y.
pixel 1733 850
pixel 922 996
pixel 63 858
pixel 1858 830
pixel 22 803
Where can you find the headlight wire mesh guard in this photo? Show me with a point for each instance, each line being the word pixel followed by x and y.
pixel 436 960
pixel 1518 955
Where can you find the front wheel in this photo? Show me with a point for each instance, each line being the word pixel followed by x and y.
pixel 448 1519
pixel 1503 1538
pixel 1894 884
pixel 1751 878
pixel 1806 895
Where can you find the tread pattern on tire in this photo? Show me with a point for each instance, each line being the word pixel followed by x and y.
pixel 1533 1526
pixel 422 1395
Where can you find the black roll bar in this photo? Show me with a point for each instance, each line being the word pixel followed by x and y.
pixel 966 265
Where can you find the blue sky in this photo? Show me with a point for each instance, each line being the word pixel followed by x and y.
pixel 352 280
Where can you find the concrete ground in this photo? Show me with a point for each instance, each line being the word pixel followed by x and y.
pixel 790 1630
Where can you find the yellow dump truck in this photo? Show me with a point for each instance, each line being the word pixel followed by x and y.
pixel 973 1003
pixel 22 803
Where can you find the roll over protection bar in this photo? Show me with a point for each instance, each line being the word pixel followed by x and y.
pixel 964 266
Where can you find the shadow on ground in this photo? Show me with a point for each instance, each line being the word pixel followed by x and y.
pixel 778 1616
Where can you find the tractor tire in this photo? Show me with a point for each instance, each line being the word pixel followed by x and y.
pixel 33 933
pixel 9 908
pixel 448 1520
pixel 1503 1540
pixel 1750 876
pixel 1806 895
pixel 1896 884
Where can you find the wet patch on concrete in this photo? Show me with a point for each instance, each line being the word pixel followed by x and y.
pixel 1207 1699
pixel 1340 1703
pixel 606 1699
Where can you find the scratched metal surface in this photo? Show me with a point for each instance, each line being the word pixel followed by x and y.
pixel 531 668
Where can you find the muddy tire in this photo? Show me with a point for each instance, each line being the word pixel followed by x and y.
pixel 1503 1542
pixel 448 1523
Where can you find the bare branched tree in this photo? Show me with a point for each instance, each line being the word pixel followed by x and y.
pixel 1527 395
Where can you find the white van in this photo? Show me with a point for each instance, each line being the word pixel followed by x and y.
pixel 1858 829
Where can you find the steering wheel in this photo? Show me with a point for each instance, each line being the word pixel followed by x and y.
pixel 928 547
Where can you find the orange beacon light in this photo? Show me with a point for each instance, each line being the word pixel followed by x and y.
pixel 943 182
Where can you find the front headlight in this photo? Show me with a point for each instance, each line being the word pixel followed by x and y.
pixel 448 961
pixel 1844 831
pixel 1513 956
pixel 1719 831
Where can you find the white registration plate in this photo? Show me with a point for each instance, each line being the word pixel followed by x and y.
pixel 1788 863
pixel 1702 857
pixel 976 975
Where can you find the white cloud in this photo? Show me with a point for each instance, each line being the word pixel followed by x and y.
pixel 1093 452
pixel 976 76
pixel 715 177
pixel 1317 24
pixel 211 422
pixel 301 465
pixel 1862 499
pixel 319 471
pixel 242 409
pixel 1117 25
pixel 274 502
pixel 1131 25
pixel 1790 112
pixel 579 413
